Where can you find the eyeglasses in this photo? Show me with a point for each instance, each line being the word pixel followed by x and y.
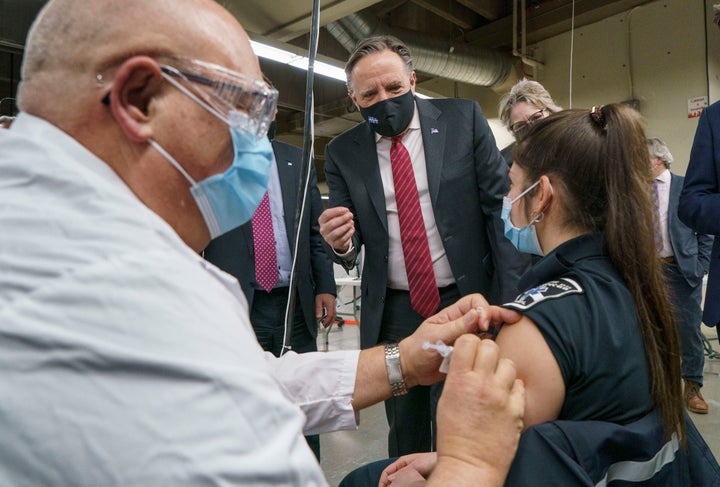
pixel 236 99
pixel 521 125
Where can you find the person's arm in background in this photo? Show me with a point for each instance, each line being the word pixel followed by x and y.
pixel 705 244
pixel 493 184
pixel 337 223
pixel 322 267
pixel 699 206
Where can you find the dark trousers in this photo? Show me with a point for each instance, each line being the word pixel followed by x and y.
pixel 410 417
pixel 268 320
pixel 686 301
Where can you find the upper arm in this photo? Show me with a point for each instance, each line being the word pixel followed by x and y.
pixel 537 367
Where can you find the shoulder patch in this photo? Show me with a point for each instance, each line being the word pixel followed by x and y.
pixel 549 290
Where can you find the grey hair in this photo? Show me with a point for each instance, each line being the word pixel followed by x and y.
pixel 371 45
pixel 527 91
pixel 716 17
pixel 659 149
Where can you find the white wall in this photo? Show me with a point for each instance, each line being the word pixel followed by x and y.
pixel 655 53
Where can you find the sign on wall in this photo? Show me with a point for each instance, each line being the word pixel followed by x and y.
pixel 696 105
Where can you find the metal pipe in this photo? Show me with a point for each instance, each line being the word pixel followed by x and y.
pixel 432 55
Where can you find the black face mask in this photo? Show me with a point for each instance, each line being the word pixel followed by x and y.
pixel 272 130
pixel 392 116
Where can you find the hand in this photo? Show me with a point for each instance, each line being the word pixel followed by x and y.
pixel 468 315
pixel 408 469
pixel 337 228
pixel 489 315
pixel 325 301
pixel 480 415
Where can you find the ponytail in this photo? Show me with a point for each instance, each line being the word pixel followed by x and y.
pixel 601 160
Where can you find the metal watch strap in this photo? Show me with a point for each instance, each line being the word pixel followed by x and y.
pixel 392 363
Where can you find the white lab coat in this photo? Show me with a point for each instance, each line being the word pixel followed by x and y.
pixel 125 358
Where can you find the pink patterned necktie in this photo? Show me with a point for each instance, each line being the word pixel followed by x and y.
pixel 424 295
pixel 266 268
pixel 656 216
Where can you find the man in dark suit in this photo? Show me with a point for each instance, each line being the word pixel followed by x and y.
pixel 700 201
pixel 685 256
pixel 237 253
pixel 419 186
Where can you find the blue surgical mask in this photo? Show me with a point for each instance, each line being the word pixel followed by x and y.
pixel 524 239
pixel 229 199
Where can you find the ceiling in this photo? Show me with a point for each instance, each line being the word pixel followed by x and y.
pixel 465 41
pixel 458 41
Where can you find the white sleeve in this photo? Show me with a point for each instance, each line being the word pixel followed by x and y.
pixel 322 385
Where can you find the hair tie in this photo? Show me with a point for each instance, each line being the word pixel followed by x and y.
pixel 597 116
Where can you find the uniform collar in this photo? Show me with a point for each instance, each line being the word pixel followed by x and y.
pixel 562 259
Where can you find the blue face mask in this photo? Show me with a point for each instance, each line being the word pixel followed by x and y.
pixel 229 199
pixel 524 239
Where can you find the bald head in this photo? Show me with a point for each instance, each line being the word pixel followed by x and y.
pixel 72 40
pixel 93 69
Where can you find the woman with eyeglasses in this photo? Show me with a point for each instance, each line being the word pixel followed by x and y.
pixel 596 341
pixel 527 102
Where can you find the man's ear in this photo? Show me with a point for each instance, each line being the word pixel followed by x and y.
pixel 352 96
pixel 136 82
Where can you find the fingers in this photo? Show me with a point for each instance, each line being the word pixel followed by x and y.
pixel 498 315
pixel 461 307
pixel 337 227
pixel 463 356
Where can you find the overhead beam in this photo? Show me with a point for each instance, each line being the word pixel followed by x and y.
pixel 328 13
pixel 461 16
pixel 549 20
pixel 490 9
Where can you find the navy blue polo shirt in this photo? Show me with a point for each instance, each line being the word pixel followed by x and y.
pixel 586 314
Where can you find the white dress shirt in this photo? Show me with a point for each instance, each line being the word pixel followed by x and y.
pixel 397 276
pixel 126 358
pixel 282 244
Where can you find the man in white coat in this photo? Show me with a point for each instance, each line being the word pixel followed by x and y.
pixel 125 358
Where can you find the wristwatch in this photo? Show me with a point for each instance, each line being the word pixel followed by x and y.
pixel 392 363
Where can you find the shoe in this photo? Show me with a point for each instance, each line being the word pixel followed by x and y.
pixel 694 400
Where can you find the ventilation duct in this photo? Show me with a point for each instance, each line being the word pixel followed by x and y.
pixel 431 55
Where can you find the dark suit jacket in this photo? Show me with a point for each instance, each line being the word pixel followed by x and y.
pixel 234 252
pixel 700 200
pixel 467 179
pixel 691 249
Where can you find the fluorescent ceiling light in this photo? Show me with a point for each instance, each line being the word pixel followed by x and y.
pixel 299 61
pixel 296 60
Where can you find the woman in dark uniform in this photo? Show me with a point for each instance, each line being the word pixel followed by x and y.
pixel 596 340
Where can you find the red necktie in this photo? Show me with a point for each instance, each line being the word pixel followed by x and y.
pixel 424 295
pixel 656 216
pixel 266 269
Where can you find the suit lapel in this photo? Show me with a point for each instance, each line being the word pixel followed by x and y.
pixel 288 174
pixel 368 170
pixel 433 134
pixel 674 192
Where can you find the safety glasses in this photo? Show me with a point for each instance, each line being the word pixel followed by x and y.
pixel 238 100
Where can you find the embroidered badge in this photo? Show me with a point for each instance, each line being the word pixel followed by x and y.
pixel 549 290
